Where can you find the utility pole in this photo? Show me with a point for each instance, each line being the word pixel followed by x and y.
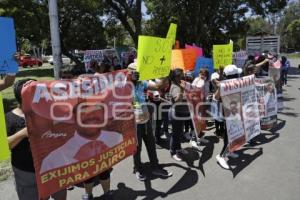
pixel 55 37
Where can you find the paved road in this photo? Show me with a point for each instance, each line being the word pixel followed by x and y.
pixel 270 171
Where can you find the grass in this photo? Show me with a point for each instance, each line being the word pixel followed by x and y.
pixel 39 73
pixel 293 55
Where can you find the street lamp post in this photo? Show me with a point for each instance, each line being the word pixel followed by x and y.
pixel 55 37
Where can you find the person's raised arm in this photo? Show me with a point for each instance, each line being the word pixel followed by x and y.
pixel 15 139
pixel 7 82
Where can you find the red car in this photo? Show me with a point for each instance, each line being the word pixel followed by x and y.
pixel 29 61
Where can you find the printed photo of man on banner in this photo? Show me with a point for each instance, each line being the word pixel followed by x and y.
pixel 78 128
pixel 241 110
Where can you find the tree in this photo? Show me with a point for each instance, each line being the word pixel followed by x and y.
pixel 258 25
pixel 207 22
pixel 129 13
pixel 291 13
pixel 293 32
pixel 80 23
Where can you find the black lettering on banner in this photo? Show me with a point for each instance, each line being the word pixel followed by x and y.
pixel 148 60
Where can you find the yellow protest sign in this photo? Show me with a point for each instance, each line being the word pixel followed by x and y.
pixel 4 149
pixel 222 55
pixel 172 32
pixel 154 57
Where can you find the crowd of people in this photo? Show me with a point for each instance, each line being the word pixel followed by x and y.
pixel 164 128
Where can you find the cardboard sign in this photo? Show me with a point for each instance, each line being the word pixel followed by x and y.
pixel 239 58
pixel 204 63
pixel 78 128
pixel 90 55
pixel 222 55
pixel 8 46
pixel 184 59
pixel 172 33
pixel 198 50
pixel 154 57
pixel 241 110
pixel 5 152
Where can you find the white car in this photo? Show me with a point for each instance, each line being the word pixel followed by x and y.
pixel 65 60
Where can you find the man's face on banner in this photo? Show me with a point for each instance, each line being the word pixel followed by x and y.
pixel 233 107
pixel 90 118
pixel 270 88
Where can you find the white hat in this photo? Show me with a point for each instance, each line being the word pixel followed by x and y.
pixel 214 76
pixel 232 70
pixel 133 65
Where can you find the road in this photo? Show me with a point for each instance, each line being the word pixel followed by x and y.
pixel 269 171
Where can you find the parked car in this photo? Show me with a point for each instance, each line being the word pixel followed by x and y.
pixel 65 60
pixel 28 60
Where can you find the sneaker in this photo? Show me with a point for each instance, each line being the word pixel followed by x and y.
pixel 194 144
pixel 140 176
pixel 222 162
pixel 164 136
pixel 232 155
pixel 187 135
pixel 176 157
pixel 161 172
pixel 204 141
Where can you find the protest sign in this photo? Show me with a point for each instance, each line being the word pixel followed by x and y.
pixel 5 152
pixel 154 57
pixel 239 58
pixel 195 98
pixel 222 55
pixel 78 128
pixel 172 33
pixel 184 59
pixel 199 51
pixel 203 62
pixel 90 55
pixel 241 110
pixel 8 46
pixel 267 102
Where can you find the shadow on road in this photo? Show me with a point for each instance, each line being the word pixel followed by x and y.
pixel 188 180
pixel 245 158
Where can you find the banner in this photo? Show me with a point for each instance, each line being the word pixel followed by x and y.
pixel 239 58
pixel 267 102
pixel 203 62
pixel 8 46
pixel 5 152
pixel 154 57
pixel 198 50
pixel 195 98
pixel 78 128
pixel 241 110
pixel 90 55
pixel 172 33
pixel 184 59
pixel 222 55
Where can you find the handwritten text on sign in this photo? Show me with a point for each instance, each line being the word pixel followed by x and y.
pixel 154 57
pixel 222 55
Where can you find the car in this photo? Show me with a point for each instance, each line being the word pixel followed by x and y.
pixel 28 60
pixel 65 60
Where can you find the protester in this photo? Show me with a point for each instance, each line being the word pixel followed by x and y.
pixel 21 157
pixel 104 177
pixel 201 82
pixel 144 126
pixel 188 124
pixel 179 113
pixel 230 72
pixel 285 66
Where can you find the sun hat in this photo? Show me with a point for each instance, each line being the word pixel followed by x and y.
pixel 232 70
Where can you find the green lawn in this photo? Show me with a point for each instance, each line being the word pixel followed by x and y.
pixel 39 73
pixel 293 55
